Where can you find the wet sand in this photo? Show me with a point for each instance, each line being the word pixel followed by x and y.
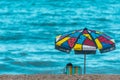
pixel 59 77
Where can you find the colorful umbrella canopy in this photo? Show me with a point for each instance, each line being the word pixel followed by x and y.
pixel 84 42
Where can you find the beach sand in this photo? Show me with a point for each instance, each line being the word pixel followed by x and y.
pixel 59 77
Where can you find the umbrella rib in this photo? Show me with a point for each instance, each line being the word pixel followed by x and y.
pixel 92 39
pixel 77 39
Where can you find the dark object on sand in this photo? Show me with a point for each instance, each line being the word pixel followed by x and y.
pixel 71 70
pixel 69 67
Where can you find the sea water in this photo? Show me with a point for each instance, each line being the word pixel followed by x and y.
pixel 28 29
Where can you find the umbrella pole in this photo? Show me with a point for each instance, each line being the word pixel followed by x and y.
pixel 85 63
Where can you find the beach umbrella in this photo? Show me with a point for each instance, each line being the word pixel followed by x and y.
pixel 84 41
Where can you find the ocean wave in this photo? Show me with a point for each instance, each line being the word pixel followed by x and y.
pixel 28 30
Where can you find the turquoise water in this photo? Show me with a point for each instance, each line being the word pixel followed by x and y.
pixel 28 29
